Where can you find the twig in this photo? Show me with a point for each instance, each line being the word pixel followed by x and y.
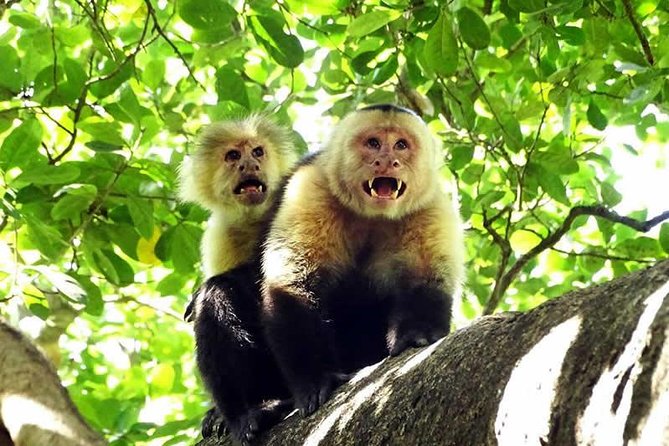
pixel 129 57
pixel 629 11
pixel 487 7
pixel 600 256
pixel 597 211
pixel 100 29
pixel 165 311
pixel 157 27
pixel 75 119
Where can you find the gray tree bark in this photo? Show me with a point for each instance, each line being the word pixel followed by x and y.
pixel 589 368
pixel 35 409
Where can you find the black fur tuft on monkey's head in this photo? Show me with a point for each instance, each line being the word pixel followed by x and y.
pixel 388 108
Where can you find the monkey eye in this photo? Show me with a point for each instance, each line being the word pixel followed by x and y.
pixel 233 155
pixel 374 143
pixel 258 152
pixel 402 144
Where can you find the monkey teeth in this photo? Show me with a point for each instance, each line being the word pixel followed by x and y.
pixel 385 188
pixel 250 186
pixel 260 189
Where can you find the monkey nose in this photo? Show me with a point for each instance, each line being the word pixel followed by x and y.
pixel 386 165
pixel 251 167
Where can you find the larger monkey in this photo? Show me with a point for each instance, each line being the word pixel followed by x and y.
pixel 364 255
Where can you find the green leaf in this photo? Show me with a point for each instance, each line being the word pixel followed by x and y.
pixel 46 238
pixel 284 48
pixel 153 74
pixel 385 70
pixel 473 29
pixel 573 35
pixel 70 206
pixel 550 183
pixel 125 237
pixel 113 267
pixel 557 158
pixel 664 237
pixel 93 295
pixel 184 247
pixel 511 132
pixel 640 247
pixel 595 116
pixel 141 212
pixel 101 146
pixel 64 173
pixel 231 87
pixel 130 105
pixel 24 20
pixel 106 132
pixel 206 15
pixel 369 22
pixel 461 156
pixel 162 378
pixel 441 47
pixel 19 149
pixel 11 77
pixel 610 195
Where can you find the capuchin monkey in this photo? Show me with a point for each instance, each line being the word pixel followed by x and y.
pixel 364 255
pixel 236 173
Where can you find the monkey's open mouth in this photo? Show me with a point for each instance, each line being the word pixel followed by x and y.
pixel 250 186
pixel 386 188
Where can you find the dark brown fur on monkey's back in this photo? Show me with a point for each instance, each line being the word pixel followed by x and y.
pixel 232 355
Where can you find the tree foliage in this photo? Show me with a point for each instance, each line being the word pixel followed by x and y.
pixel 101 99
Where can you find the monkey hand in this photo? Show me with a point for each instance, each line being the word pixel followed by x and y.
pixel 310 399
pixel 413 334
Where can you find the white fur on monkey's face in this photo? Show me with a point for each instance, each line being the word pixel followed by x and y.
pixel 241 173
pixel 381 163
pixel 237 164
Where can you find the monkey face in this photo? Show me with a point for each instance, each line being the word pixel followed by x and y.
pixel 237 165
pixel 245 163
pixel 382 164
pixel 384 152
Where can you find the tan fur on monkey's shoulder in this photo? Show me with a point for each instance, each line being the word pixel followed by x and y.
pixel 312 219
pixel 235 173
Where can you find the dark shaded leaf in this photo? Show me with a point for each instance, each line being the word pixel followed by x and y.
pixel 441 47
pixel 473 28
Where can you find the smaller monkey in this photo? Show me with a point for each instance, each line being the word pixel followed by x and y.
pixel 235 172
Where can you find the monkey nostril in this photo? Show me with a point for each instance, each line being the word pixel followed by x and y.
pixel 396 163
pixel 377 163
pixel 241 168
pixel 257 167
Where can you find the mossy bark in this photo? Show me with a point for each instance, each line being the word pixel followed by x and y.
pixel 591 367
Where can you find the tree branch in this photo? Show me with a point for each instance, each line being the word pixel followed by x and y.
pixel 599 255
pixel 629 11
pixel 553 238
pixel 159 29
pixel 81 101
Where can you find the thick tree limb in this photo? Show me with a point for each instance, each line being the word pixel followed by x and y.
pixel 591 367
pixel 35 409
